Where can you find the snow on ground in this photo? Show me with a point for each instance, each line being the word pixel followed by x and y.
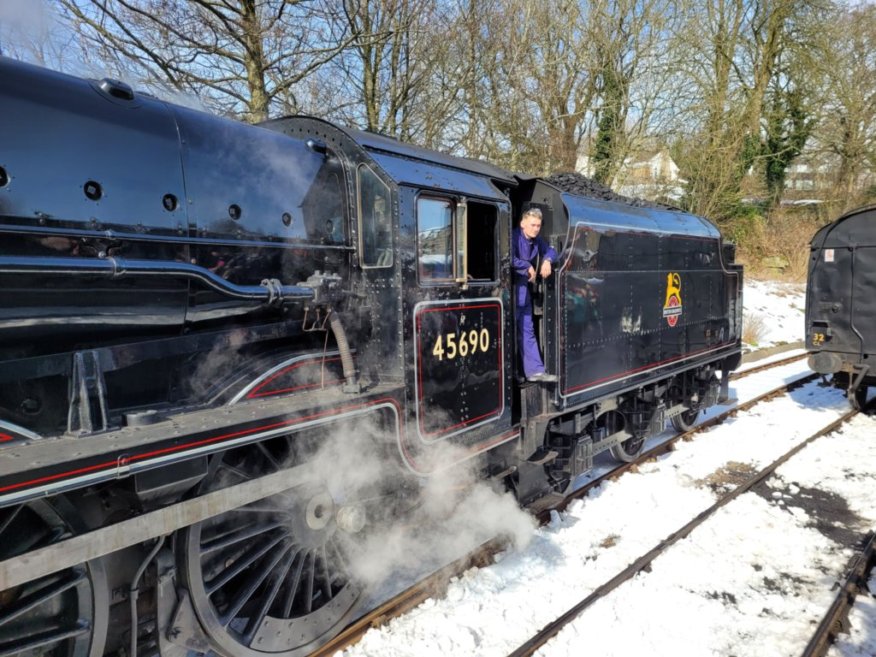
pixel 777 311
pixel 754 579
pixel 770 582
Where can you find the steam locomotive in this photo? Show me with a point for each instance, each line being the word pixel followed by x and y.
pixel 840 311
pixel 191 307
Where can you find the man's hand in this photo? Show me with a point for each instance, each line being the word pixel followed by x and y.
pixel 531 274
pixel 546 269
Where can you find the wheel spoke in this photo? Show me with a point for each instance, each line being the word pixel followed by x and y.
pixel 293 589
pixel 9 518
pixel 233 470
pixel 270 457
pixel 326 575
pixel 244 562
pixel 340 561
pixel 279 575
pixel 236 535
pixel 33 539
pixel 308 583
pixel 49 589
pixel 249 587
pixel 29 641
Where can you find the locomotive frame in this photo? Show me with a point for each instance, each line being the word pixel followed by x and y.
pixel 192 307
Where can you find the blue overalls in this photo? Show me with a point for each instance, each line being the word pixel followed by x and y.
pixel 526 253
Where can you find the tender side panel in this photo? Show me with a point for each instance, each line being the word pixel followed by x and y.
pixel 459 366
pixel 627 307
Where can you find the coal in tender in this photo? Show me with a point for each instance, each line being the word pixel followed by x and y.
pixel 576 183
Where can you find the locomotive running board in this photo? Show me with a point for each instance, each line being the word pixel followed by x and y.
pixel 100 542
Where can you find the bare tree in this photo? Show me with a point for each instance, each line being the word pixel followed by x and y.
pixel 560 74
pixel 30 31
pixel 629 67
pixel 534 94
pixel 387 70
pixel 712 109
pixel 847 129
pixel 461 111
pixel 735 47
pixel 241 57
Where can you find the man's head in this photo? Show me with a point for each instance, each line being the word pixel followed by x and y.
pixel 530 223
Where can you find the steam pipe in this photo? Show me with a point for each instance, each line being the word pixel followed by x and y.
pixel 352 383
pixel 270 291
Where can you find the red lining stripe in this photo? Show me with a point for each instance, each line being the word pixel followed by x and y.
pixel 124 460
pixel 312 361
pixel 645 367
pixel 499 367
pixel 303 386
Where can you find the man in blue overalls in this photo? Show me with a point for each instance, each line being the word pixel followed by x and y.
pixel 527 248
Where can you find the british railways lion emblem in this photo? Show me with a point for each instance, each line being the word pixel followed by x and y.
pixel 672 307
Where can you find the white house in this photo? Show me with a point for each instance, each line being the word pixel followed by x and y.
pixel 646 174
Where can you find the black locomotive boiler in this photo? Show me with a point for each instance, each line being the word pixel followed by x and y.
pixel 840 305
pixel 190 308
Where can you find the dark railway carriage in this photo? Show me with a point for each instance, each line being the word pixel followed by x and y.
pixel 840 304
pixel 191 309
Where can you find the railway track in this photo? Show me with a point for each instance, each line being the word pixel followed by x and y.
pixel 835 620
pixel 754 369
pixel 436 583
pixel 644 561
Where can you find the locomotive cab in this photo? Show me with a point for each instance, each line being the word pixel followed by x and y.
pixel 451 271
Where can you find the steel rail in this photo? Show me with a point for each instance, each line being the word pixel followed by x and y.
pixel 754 369
pixel 835 620
pixel 644 561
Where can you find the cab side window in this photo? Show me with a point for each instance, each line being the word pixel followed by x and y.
pixel 375 234
pixel 435 240
pixel 481 242
pixel 456 241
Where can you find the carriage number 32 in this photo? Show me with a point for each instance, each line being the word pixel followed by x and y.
pixel 452 345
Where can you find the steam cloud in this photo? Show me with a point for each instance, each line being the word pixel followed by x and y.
pixel 443 516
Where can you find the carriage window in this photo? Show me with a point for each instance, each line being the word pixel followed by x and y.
pixel 435 239
pixel 375 236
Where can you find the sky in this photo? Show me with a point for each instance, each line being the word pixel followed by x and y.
pixel 755 579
